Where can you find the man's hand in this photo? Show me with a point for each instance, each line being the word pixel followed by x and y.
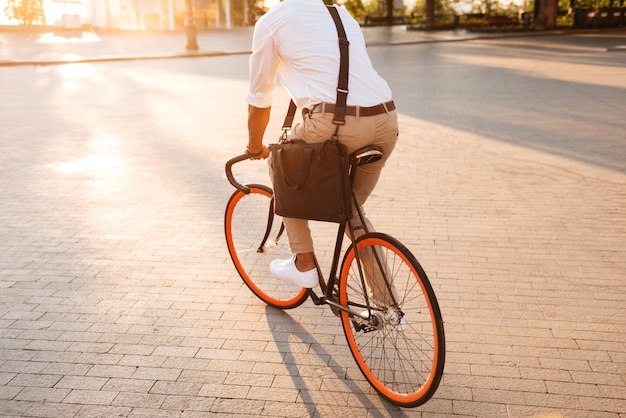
pixel 258 155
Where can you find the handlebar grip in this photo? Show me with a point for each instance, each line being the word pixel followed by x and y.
pixel 229 173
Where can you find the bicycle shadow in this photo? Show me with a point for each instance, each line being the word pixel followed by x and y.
pixel 284 328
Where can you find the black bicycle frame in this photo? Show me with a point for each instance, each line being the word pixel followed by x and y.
pixel 328 287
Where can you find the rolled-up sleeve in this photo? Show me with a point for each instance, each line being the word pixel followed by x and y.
pixel 264 63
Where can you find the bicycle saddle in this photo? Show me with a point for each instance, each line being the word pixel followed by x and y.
pixel 366 155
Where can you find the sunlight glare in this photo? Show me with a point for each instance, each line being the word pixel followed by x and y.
pixel 73 72
pixel 98 164
pixel 51 38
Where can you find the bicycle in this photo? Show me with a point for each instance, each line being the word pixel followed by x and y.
pixel 387 306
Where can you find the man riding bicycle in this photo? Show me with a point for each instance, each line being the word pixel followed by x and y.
pixel 296 41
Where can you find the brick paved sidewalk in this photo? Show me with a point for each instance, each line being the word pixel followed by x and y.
pixel 118 298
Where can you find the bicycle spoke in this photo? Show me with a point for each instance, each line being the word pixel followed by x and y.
pixel 400 349
pixel 246 223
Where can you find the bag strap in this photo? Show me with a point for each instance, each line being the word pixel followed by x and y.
pixel 342 83
pixel 291 112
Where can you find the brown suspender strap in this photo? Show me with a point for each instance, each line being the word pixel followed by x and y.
pixel 342 83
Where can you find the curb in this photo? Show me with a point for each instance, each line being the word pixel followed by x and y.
pixel 17 63
pixel 121 58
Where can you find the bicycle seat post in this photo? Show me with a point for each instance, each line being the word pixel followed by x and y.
pixel 362 156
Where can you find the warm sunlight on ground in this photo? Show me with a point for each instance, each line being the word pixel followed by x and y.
pixel 93 165
pixel 52 38
pixel 74 72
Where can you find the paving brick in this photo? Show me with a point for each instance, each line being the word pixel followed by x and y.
pixel 56 356
pixel 9 392
pixel 153 373
pixel 546 374
pixel 582 414
pixel 39 394
pixel 139 400
pixel 20 366
pixel 90 397
pixel 189 352
pixel 188 403
pixel 34 380
pixel 553 400
pixel 282 409
pixel 67 369
pixel 81 382
pixel 218 390
pixel 523 410
pixel 176 388
pixel 154 412
pixel 601 404
pixel 94 411
pixel 16 354
pixel 6 378
pixel 142 361
pixel 520 385
pixel 479 409
pixel 218 354
pixel 272 394
pixel 15 408
pixel 237 406
pixel 494 370
pixel 51 410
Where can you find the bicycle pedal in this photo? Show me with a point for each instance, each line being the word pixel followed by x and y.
pixel 362 327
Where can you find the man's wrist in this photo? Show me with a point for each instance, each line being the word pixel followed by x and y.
pixel 254 154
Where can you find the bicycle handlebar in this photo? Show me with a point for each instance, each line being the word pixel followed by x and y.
pixel 229 173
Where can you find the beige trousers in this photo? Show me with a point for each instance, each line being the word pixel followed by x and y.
pixel 358 132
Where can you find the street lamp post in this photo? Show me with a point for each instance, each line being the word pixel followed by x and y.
pixel 192 30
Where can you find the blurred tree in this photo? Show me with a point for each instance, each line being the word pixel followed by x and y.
pixel 545 13
pixel 356 8
pixel 430 9
pixel 430 12
pixel 26 12
pixel 587 3
pixel 246 12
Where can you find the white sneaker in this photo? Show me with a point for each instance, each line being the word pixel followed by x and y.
pixel 287 270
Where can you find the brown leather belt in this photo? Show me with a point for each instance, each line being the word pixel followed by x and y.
pixel 353 110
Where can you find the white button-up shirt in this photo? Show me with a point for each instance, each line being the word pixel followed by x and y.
pixel 297 40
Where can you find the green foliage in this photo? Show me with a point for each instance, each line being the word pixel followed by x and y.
pixel 446 8
pixel 255 8
pixel 504 7
pixel 580 4
pixel 377 8
pixel 26 12
pixel 356 8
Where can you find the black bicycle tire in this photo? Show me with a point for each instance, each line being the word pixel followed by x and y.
pixel 235 198
pixel 433 380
